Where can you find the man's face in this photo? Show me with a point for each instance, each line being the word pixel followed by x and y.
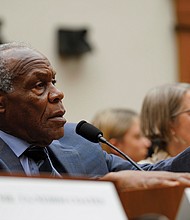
pixel 34 110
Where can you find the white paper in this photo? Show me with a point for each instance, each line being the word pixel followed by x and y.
pixel 40 198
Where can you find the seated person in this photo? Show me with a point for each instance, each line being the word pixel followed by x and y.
pixel 165 120
pixel 121 127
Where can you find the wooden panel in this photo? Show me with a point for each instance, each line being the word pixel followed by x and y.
pixel 182 9
pixel 164 201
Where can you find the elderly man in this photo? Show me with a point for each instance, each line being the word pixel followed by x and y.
pixel 32 127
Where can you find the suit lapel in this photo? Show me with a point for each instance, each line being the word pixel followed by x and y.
pixel 9 158
pixel 68 158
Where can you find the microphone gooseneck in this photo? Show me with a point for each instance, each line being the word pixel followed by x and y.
pixel 93 134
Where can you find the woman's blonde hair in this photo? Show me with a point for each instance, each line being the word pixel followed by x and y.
pixel 159 108
pixel 114 123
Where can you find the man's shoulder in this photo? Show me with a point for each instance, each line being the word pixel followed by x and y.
pixel 69 129
pixel 71 138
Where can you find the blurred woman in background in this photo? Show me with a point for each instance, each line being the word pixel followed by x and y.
pixel 165 120
pixel 121 127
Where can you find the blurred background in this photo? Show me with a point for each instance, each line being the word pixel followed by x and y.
pixel 125 47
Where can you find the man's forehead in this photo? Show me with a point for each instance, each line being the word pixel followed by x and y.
pixel 22 60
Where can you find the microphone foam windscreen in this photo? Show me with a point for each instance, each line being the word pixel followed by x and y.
pixel 88 131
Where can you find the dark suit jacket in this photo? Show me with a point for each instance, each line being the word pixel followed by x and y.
pixel 78 157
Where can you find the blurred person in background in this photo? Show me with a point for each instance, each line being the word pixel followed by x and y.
pixel 121 127
pixel 165 117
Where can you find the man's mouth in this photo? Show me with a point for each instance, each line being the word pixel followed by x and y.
pixel 58 117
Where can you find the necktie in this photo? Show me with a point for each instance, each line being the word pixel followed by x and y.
pixel 40 156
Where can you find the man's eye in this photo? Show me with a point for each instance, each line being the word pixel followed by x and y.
pixel 40 85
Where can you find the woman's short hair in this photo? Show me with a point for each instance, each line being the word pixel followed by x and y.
pixel 114 122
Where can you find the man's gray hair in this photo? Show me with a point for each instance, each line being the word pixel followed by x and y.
pixel 6 75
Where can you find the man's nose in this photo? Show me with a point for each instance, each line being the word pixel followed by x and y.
pixel 55 95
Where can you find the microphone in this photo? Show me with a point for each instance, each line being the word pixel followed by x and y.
pixel 93 134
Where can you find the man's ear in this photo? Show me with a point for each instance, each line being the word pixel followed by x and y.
pixel 2 103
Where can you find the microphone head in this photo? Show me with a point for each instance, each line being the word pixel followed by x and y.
pixel 88 131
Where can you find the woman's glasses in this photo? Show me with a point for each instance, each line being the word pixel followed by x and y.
pixel 179 113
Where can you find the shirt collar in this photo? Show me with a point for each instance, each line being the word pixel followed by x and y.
pixel 17 145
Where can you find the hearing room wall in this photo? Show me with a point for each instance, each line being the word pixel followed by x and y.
pixel 133 48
